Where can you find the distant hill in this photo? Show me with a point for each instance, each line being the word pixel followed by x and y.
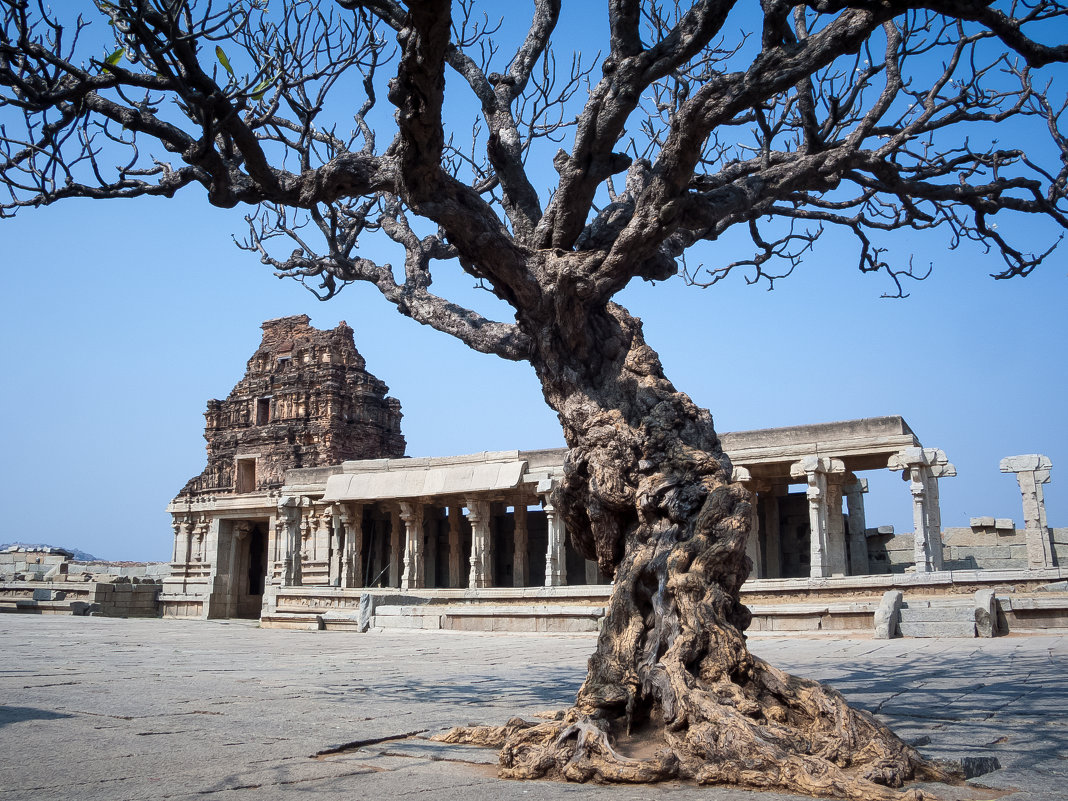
pixel 75 554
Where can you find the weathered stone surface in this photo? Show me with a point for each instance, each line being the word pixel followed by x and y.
pixel 258 703
pixel 306 400
pixel 937 629
pixel 887 616
pixel 986 613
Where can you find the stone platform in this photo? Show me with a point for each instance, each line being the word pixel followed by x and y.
pixel 98 709
pixel 1028 601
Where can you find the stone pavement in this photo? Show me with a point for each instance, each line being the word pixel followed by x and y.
pixel 99 708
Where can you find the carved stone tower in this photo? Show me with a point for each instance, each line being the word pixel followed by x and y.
pixel 306 401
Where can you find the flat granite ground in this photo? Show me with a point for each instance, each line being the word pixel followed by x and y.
pixel 99 708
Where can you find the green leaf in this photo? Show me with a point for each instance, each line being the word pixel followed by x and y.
pixel 261 88
pixel 223 60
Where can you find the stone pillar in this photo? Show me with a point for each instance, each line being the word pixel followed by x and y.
pixel 322 536
pixel 177 551
pixel 456 519
pixel 922 467
pixel 187 527
pixel 858 540
pixel 430 560
pixel 555 556
pixel 352 519
pixel 520 571
pixel 200 533
pixel 289 518
pixel 752 544
pixel 772 531
pixel 478 515
pixel 836 537
pixel 815 469
pixel 395 548
pixel 305 534
pixel 593 573
pixel 938 467
pixel 337 536
pixel 1032 471
pixel 414 576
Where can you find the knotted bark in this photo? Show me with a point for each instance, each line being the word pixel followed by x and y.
pixel 672 690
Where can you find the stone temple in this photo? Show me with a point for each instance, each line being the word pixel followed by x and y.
pixel 308 514
pixel 306 401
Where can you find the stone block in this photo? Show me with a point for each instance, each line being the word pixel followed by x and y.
pixel 938 629
pixel 981 522
pixel 49 595
pixel 970 537
pixel 935 614
pixel 986 613
pixel 887 616
pixel 1025 462
pixel 1002 523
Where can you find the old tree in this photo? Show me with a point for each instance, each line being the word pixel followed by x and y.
pixel 581 172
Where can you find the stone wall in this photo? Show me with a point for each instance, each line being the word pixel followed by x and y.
pixel 992 544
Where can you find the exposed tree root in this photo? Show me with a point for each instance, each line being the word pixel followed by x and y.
pixel 672 690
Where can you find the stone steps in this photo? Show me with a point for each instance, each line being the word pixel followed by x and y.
pixel 542 618
pixel 937 619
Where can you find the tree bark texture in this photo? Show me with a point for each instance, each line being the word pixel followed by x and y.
pixel 672 690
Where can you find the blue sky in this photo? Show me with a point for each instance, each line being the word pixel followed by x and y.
pixel 123 318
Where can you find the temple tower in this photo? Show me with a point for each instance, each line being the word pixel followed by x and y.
pixel 306 400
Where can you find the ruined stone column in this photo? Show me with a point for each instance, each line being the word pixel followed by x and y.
pixel 923 467
pixel 1032 471
pixel 814 469
pixel 414 576
pixel 938 467
pixel 836 537
pixel 456 517
pixel 478 515
pixel 858 540
pixel 396 548
pixel 519 545
pixel 555 556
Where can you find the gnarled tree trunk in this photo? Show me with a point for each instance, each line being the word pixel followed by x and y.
pixel 672 690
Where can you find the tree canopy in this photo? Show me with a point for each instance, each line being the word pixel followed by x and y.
pixel 688 120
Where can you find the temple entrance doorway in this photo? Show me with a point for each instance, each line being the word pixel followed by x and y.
pixel 248 568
